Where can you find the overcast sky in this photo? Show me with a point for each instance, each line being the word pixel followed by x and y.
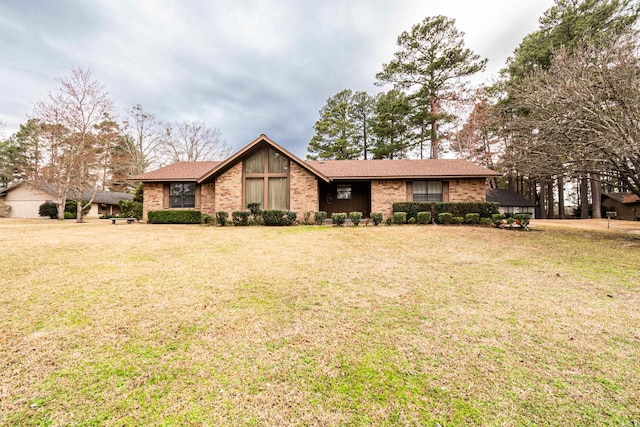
pixel 244 67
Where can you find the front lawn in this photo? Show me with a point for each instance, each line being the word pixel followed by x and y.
pixel 403 325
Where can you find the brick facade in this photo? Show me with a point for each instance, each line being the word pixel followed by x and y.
pixel 303 190
pixel 385 193
pixel 468 190
pixel 208 198
pixel 228 190
pixel 153 198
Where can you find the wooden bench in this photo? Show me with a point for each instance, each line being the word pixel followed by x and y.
pixel 129 220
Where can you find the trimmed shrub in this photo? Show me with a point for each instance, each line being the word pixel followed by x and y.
pixel 355 217
pixel 319 217
pixel 445 218
pixel 423 217
pixel 472 218
pixel 221 218
pixel 339 218
pixel 292 217
pixel 306 218
pixel 72 207
pixel 485 222
pixel 457 220
pixel 399 217
pixel 207 219
pixel 276 217
pixel 240 218
pixel 485 209
pixel 389 221
pixel 49 209
pixel 174 217
pixel 68 215
pixel 255 210
pixel 411 221
pixel 496 219
pixel 376 217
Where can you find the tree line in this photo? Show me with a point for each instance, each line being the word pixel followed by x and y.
pixel 73 145
pixel 565 110
pixel 428 75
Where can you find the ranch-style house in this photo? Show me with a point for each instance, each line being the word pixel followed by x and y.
pixel 267 173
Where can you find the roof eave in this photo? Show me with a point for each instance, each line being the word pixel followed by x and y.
pixel 389 177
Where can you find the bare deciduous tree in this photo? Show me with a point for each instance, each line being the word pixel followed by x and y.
pixel 189 141
pixel 142 141
pixel 70 117
pixel 581 115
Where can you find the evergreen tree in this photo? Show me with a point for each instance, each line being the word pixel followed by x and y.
pixel 336 134
pixel 391 125
pixel 431 65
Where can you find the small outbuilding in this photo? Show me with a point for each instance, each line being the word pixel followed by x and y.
pixel 510 201
pixel 24 200
pixel 626 205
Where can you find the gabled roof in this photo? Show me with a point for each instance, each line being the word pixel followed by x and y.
pixel 404 168
pixel 179 171
pixel 264 140
pixel 624 198
pixel 507 198
pixel 105 197
pixel 326 170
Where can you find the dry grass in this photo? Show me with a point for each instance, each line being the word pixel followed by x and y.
pixel 188 325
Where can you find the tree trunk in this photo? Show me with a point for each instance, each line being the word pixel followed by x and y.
pixel 550 199
pixel 584 198
pixel 560 197
pixel 60 209
pixel 542 201
pixel 596 194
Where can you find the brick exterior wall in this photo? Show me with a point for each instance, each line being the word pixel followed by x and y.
pixel 468 190
pixel 303 190
pixel 228 190
pixel 207 199
pixel 385 193
pixel 153 198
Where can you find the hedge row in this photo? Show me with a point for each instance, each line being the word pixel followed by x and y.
pixel 174 217
pixel 456 209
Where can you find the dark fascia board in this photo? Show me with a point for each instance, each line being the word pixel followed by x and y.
pixel 415 177
pixel 165 180
pixel 261 139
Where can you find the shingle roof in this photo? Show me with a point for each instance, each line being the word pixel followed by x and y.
pixel 623 197
pixel 507 198
pixel 387 169
pixel 179 171
pixel 108 197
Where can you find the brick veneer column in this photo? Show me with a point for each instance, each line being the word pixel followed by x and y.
pixel 228 190
pixel 153 198
pixel 303 190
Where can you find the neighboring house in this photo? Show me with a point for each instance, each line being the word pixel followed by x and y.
pixel 265 172
pixel 626 205
pixel 25 200
pixel 510 201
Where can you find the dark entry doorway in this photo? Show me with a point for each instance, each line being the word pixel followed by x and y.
pixel 353 196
